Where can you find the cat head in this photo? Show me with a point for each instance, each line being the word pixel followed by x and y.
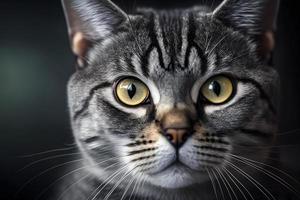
pixel 167 97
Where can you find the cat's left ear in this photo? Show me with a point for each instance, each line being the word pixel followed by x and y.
pixel 256 18
pixel 90 21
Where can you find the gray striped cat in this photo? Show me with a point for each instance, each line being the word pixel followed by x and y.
pixel 172 104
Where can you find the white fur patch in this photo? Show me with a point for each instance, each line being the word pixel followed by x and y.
pixel 196 89
pixel 194 61
pixel 154 62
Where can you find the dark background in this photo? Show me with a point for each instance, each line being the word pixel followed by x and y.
pixel 35 63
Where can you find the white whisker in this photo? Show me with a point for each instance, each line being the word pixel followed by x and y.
pixel 118 183
pixel 213 183
pixel 48 151
pixel 72 185
pixel 223 179
pixel 45 159
pixel 44 172
pixel 270 174
pixel 74 171
pixel 98 190
pixel 232 178
pixel 220 186
pixel 258 185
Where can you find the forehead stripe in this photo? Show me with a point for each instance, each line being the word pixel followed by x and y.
pixel 192 44
pixel 154 44
pixel 128 64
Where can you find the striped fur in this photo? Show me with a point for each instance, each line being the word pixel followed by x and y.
pixel 173 53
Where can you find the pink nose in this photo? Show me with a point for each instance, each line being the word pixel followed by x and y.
pixel 177 127
pixel 176 136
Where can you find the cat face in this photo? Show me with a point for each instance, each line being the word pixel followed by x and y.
pixel 168 97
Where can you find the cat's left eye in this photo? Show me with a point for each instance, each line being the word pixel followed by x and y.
pixel 218 89
pixel 131 92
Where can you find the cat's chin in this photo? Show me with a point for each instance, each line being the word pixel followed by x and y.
pixel 177 176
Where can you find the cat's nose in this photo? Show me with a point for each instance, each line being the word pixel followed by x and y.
pixel 177 137
pixel 177 127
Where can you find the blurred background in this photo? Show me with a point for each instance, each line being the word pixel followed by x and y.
pixel 35 63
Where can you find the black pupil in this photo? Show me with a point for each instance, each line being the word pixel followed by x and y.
pixel 131 90
pixel 215 87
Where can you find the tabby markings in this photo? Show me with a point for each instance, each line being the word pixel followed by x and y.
pixel 89 98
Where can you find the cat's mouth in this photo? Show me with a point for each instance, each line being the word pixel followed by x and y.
pixel 177 175
pixel 176 167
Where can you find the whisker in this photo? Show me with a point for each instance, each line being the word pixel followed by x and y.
pixel 45 159
pixel 127 188
pixel 73 171
pixel 271 175
pixel 232 178
pixel 48 151
pixel 134 187
pixel 118 183
pixel 53 157
pixel 230 184
pixel 140 185
pixel 44 172
pixel 240 56
pixel 224 182
pixel 213 183
pixel 221 189
pixel 106 182
pixel 258 185
pixel 143 182
pixel 217 44
pixel 70 186
pixel 272 167
pixel 208 44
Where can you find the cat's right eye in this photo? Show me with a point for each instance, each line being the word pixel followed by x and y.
pixel 131 92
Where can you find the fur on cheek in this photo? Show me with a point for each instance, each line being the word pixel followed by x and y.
pixel 151 132
pixel 145 152
pixel 199 131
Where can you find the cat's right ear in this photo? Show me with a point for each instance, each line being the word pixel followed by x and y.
pixel 90 21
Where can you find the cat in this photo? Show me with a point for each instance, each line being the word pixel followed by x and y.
pixel 172 104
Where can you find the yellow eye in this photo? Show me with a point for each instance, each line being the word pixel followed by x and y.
pixel 131 92
pixel 218 89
